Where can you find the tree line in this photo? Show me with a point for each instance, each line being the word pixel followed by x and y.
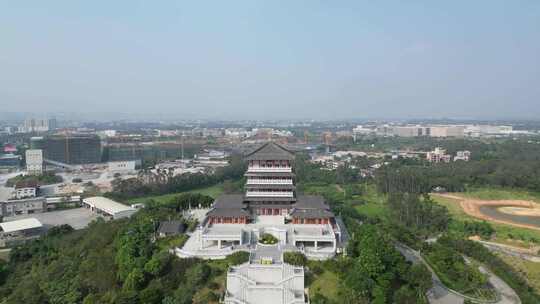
pixel 147 184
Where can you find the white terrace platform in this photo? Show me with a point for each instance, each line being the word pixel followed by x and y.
pixel 216 241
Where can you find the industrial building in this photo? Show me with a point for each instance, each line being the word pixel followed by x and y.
pixel 16 232
pixel 10 161
pixel 428 131
pixel 108 208
pixel 23 225
pixel 23 206
pixel 72 149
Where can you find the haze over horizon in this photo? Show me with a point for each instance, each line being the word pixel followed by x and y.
pixel 272 59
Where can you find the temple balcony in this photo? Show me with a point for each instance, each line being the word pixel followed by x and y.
pixel 269 169
pixel 269 182
pixel 268 194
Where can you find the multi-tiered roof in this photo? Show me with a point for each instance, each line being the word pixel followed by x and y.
pixel 270 190
pixel 270 177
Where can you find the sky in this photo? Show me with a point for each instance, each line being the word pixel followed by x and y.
pixel 272 59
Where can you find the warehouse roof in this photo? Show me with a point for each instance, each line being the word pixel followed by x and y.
pixel 107 205
pixel 19 225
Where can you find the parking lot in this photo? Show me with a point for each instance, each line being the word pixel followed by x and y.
pixel 78 218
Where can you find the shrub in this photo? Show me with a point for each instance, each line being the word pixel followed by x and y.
pixel 238 258
pixel 295 258
pixel 268 239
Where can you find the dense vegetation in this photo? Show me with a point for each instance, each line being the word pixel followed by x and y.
pixel 418 214
pixel 375 272
pixel 453 270
pixel 295 258
pixel 118 262
pixel 46 178
pixel 163 183
pixel 511 163
pixel 495 264
pixel 112 262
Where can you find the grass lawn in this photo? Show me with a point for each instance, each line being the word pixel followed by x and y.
pixel 213 191
pixel 374 203
pixel 528 270
pixel 216 286
pixel 503 233
pixel 4 254
pixel 325 284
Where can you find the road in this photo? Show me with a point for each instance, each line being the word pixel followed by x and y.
pixel 439 294
pixel 5 192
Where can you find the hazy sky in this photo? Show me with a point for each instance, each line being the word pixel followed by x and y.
pixel 272 59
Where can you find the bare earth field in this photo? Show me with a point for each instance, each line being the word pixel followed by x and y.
pixel 515 207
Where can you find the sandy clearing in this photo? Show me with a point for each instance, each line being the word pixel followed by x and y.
pixel 472 208
pixel 521 211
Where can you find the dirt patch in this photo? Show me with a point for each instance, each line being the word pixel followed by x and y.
pixel 472 208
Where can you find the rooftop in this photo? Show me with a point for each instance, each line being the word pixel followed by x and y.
pixel 311 202
pixel 107 205
pixel 171 227
pixel 270 151
pixel 19 225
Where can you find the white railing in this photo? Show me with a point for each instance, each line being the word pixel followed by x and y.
pixel 269 182
pixel 268 194
pixel 269 169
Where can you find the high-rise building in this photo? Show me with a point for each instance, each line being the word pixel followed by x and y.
pixel 73 149
pixel 34 161
pixel 39 125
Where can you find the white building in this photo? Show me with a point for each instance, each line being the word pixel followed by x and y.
pixel 438 155
pixel 38 125
pixel 122 166
pixel 265 279
pixel 445 131
pixel 487 130
pixel 106 133
pixel 25 192
pixel 269 205
pixel 108 207
pixel 462 155
pixel 362 131
pixel 34 161
pixel 429 131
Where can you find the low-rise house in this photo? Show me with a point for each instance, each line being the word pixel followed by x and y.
pixel 170 228
pixel 26 190
pixel 438 156
pixel 463 155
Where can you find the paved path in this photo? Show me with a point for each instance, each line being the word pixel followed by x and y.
pixel 439 294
